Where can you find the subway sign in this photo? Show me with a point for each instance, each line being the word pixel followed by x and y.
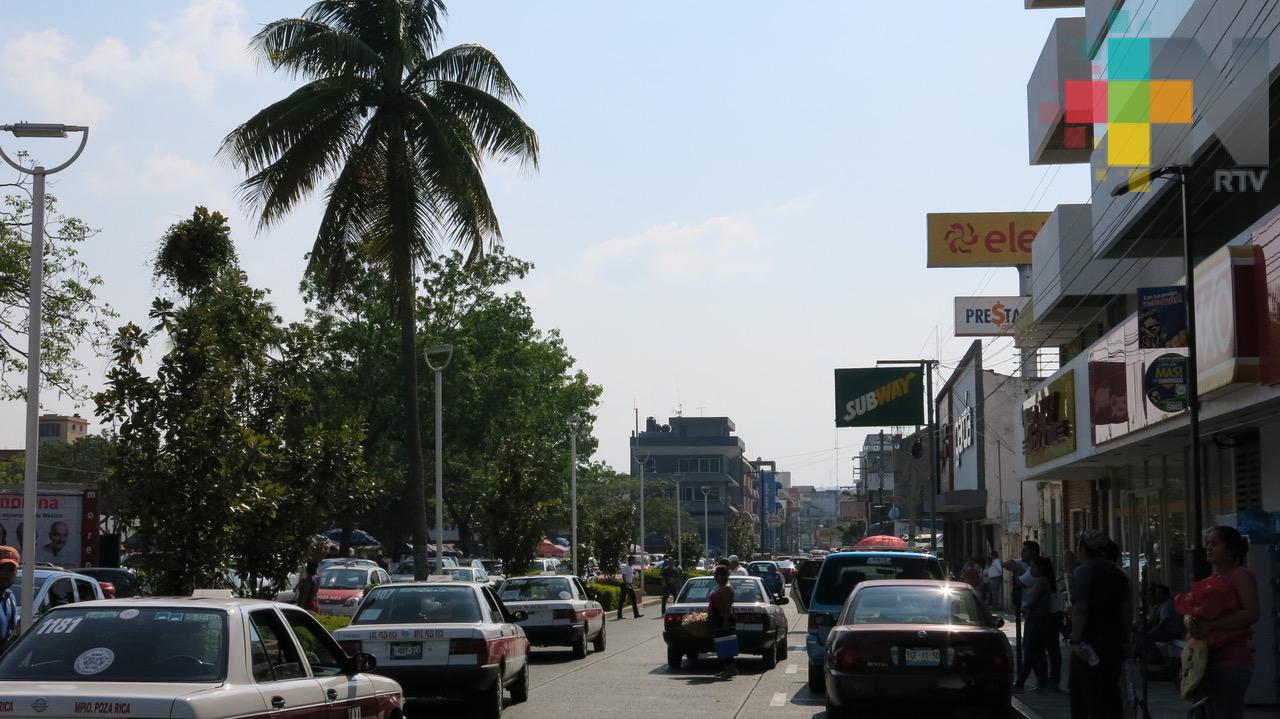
pixel 879 397
pixel 988 316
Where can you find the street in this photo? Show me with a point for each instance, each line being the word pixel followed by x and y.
pixel 631 679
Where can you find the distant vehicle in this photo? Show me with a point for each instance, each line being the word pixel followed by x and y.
pixel 442 638
pixel 919 642
pixel 559 612
pixel 344 562
pixel 468 574
pixel 55 588
pixel 768 573
pixel 545 564
pixel 189 657
pixel 841 572
pixel 125 581
pixel 403 572
pixel 761 623
pixel 342 587
pixel 787 568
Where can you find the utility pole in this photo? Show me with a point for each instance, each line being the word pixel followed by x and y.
pixel 573 496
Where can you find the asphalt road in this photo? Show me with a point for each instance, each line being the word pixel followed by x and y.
pixel 631 679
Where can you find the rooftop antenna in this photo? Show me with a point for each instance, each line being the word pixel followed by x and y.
pixel 700 408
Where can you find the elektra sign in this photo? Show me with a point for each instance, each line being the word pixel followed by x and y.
pixel 988 316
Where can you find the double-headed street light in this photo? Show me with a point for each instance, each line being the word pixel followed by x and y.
pixel 1178 174
pixel 437 357
pixel 29 494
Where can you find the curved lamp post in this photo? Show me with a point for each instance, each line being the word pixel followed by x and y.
pixel 38 173
pixel 437 357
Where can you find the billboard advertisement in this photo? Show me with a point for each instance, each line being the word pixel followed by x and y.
pixel 879 397
pixel 982 239
pixel 988 316
pixel 66 524
pixel 1162 317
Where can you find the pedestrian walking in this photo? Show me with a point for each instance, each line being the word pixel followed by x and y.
pixel 307 592
pixel 720 617
pixel 9 561
pixel 1040 650
pixel 1100 621
pixel 672 578
pixel 628 588
pixel 1230 634
pixel 995 582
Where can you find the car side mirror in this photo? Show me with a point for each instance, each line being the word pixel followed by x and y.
pixel 519 615
pixel 357 663
pixel 781 601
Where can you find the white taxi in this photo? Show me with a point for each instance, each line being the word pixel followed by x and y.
pixel 193 658
pixel 559 612
pixel 443 638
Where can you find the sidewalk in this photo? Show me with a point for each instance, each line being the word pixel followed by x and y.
pixel 1163 701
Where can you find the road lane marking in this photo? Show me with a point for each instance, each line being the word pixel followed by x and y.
pixel 779 699
pixel 791 668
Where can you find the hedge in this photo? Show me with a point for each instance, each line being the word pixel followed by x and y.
pixel 332 622
pixel 608 594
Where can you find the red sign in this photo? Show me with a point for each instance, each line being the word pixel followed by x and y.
pixel 1227 317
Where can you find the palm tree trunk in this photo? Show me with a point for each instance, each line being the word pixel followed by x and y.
pixel 415 486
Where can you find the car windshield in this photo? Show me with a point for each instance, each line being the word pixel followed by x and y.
pixel 536 589
pixel 463 574
pixel 840 574
pixel 745 590
pixel 761 569
pixel 916 605
pixel 344 578
pixel 121 644
pixel 416 605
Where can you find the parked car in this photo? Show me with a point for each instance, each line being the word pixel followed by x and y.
pixel 559 612
pixel 840 573
pixel 442 638
pixel 343 587
pixel 403 571
pixel 761 623
pixel 545 564
pixel 344 562
pixel 55 588
pixel 917 643
pixel 124 580
pixel 189 657
pixel 787 567
pixel 768 573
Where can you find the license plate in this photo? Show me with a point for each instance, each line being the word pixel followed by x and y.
pixel 406 650
pixel 924 657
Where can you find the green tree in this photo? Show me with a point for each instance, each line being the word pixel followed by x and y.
pixel 219 458
pixel 71 313
pixel 403 131
pixel 743 535
pixel 690 547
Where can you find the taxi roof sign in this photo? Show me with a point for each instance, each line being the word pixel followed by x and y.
pixel 212 594
pixel 440 578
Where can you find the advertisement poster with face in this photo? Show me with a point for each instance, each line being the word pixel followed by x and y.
pixel 59 517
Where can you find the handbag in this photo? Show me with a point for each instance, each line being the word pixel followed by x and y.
pixel 727 645
pixel 1195 659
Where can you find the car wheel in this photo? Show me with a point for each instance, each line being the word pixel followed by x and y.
pixel 491 701
pixel 673 658
pixel 580 644
pixel 817 682
pixel 520 690
pixel 598 643
pixel 770 658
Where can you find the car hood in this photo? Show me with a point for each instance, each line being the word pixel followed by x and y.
pixel 339 593
pixel 77 699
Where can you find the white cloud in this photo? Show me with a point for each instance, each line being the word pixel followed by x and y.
pixel 719 248
pixel 187 53
pixel 165 172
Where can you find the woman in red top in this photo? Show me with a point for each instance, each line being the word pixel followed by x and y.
pixel 720 614
pixel 1230 636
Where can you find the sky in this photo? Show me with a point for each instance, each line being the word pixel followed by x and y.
pixel 730 204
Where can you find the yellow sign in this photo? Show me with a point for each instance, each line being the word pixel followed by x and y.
pixel 982 239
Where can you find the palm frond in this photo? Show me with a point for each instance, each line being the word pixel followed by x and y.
pixel 350 202
pixel 263 138
pixel 496 128
pixel 314 49
pixel 473 65
pixel 423 26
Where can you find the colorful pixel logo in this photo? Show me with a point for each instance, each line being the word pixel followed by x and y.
pixel 1150 105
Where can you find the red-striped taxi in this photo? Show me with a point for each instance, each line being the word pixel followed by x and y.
pixel 559 612
pixel 443 638
pixel 195 658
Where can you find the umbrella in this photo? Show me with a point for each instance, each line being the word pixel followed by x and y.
pixel 881 541
pixel 549 549
pixel 359 537
pixel 561 541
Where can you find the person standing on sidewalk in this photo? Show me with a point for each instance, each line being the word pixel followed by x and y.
pixel 628 588
pixel 672 577
pixel 1100 621
pixel 995 582
pixel 1040 651
pixel 1230 636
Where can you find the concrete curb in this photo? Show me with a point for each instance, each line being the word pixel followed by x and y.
pixel 1023 710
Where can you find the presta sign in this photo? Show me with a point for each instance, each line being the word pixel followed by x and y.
pixel 988 316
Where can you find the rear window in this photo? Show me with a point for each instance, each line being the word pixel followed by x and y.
pixel 418 605
pixel 142 644
pixel 840 574
pixel 745 590
pixel 344 578
pixel 536 589
pixel 916 605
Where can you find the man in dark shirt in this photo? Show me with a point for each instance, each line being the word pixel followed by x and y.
pixel 1100 621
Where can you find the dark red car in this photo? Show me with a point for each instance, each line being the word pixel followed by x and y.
pixel 917 642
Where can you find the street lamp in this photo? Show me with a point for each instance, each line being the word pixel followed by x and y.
pixel 706 526
pixel 29 494
pixel 1179 175
pixel 679 533
pixel 437 357
pixel 573 496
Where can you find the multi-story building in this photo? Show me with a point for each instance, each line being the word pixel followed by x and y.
pixel 57 428
pixel 818 514
pixel 702 462
pixel 1107 439
pixel 875 483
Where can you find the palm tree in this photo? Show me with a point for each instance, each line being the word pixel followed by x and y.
pixel 399 131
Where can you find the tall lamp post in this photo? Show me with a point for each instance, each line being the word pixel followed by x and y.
pixel 706 526
pixel 1178 174
pixel 573 496
pixel 29 493
pixel 438 357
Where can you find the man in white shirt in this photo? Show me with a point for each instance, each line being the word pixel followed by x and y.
pixel 736 569
pixel 628 588
pixel 995 581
